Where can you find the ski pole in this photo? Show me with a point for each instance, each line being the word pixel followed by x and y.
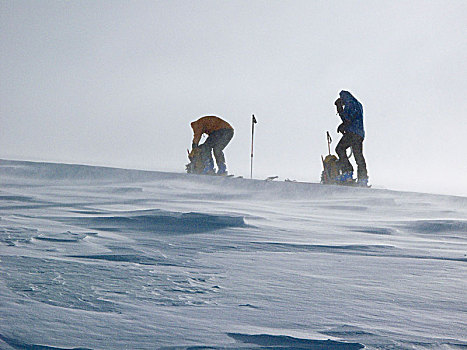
pixel 329 142
pixel 253 122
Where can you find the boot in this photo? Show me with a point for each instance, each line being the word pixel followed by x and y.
pixel 222 170
pixel 363 182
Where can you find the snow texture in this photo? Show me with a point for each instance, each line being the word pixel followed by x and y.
pixel 102 258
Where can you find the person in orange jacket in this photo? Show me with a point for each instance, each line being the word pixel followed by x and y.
pixel 219 135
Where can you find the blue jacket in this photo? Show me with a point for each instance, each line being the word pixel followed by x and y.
pixel 353 113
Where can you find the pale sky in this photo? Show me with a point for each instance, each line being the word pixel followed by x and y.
pixel 117 83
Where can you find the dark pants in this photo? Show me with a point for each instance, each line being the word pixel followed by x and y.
pixel 349 139
pixel 216 142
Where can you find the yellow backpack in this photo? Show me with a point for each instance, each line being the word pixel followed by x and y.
pixel 330 169
pixel 198 158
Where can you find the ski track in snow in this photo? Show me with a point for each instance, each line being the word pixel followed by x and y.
pixel 103 258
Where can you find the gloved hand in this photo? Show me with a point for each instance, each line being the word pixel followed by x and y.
pixel 339 106
pixel 341 128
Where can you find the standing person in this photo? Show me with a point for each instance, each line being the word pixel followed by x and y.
pixel 219 135
pixel 353 134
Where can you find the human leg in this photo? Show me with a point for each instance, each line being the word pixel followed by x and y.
pixel 223 138
pixel 341 150
pixel 208 162
pixel 357 147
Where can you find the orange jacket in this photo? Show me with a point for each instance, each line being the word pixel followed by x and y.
pixel 206 125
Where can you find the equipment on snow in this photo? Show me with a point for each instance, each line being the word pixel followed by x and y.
pixel 271 178
pixel 330 169
pixel 201 161
pixel 332 174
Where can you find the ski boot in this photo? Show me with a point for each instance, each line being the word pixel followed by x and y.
pixel 222 171
pixel 362 182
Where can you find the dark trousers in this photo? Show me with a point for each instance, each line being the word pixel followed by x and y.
pixel 216 142
pixel 349 139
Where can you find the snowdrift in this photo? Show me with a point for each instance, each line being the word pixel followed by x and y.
pixel 104 258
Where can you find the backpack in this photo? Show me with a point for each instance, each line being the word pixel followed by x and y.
pixel 330 169
pixel 198 158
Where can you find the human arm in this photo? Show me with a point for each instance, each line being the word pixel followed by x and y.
pixel 343 126
pixel 197 133
pixel 339 106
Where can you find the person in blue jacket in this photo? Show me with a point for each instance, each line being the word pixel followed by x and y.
pixel 353 134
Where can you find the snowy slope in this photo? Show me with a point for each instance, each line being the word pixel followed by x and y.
pixel 102 258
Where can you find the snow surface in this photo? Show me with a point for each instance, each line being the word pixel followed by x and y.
pixel 102 258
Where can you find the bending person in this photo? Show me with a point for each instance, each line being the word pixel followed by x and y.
pixel 219 135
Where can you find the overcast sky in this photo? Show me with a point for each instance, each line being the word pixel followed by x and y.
pixel 117 83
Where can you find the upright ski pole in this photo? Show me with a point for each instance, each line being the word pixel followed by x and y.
pixel 329 142
pixel 253 122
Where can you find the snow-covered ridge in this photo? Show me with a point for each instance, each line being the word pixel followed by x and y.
pixel 81 174
pixel 103 258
